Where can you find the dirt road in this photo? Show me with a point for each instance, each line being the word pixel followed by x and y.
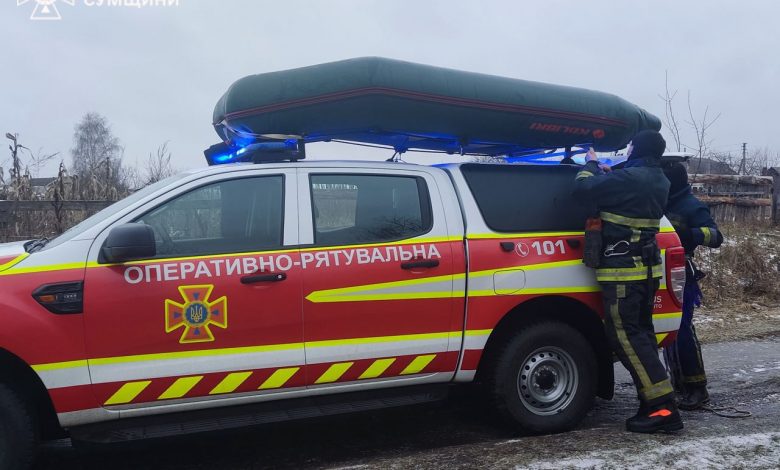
pixel 457 434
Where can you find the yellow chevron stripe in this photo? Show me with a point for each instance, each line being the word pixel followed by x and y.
pixel 324 295
pixel 196 353
pixel 318 298
pixel 367 292
pixel 377 368
pixel 252 349
pixel 230 383
pixel 60 365
pixel 660 337
pixel 478 332
pixel 42 269
pixel 334 372
pixel 127 392
pixel 418 364
pixel 180 388
pixel 548 290
pixel 19 258
pixel 279 378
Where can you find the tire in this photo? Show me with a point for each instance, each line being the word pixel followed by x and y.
pixel 18 435
pixel 555 368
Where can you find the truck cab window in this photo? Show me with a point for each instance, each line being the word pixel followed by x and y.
pixel 226 217
pixel 350 209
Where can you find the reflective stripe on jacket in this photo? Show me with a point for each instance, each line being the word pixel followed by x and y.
pixel 631 202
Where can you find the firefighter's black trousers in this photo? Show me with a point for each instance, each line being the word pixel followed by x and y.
pixel 628 315
pixel 684 356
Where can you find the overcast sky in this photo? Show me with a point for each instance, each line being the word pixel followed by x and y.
pixel 156 72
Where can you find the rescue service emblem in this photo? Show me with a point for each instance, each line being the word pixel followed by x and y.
pixel 196 314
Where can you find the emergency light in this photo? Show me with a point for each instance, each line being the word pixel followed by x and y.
pixel 257 152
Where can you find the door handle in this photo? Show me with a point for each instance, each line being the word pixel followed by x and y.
pixel 273 277
pixel 425 263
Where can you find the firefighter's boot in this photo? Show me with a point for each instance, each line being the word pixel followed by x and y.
pixel 657 418
pixel 694 397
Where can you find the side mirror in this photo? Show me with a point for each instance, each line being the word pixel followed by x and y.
pixel 128 242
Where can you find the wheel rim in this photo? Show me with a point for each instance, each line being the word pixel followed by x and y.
pixel 547 380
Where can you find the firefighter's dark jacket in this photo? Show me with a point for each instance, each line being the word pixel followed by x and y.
pixel 692 221
pixel 631 203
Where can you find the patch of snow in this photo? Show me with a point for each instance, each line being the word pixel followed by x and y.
pixel 759 450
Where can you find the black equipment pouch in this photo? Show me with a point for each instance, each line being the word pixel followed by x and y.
pixel 591 253
pixel 651 255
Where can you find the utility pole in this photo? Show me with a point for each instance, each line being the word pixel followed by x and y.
pixel 744 156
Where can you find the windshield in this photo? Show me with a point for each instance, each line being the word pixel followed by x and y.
pixel 79 228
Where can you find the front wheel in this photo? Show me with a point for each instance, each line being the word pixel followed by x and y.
pixel 544 379
pixel 18 436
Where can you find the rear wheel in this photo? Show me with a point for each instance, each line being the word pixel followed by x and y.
pixel 544 379
pixel 18 436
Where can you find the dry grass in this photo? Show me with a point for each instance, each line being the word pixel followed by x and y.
pixel 746 269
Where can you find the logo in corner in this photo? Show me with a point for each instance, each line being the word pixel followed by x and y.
pixel 196 314
pixel 45 9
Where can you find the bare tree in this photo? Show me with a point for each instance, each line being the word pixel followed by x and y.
pixel 158 166
pixel 39 159
pixel 701 127
pixel 97 159
pixel 670 119
pixel 725 158
pixel 133 178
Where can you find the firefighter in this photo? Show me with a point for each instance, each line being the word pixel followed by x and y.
pixel 695 227
pixel 630 204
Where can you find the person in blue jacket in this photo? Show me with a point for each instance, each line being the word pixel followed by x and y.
pixel 694 225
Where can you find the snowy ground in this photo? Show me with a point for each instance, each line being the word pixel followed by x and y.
pixel 751 450
pixel 457 434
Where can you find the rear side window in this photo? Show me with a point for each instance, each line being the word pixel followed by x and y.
pixel 354 209
pixel 527 198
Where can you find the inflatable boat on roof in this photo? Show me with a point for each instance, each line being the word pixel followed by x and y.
pixel 410 106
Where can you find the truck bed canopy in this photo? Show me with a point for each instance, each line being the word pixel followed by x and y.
pixel 412 106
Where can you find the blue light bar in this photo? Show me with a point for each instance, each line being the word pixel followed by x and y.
pixel 256 152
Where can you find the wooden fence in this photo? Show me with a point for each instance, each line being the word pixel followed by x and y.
pixel 735 198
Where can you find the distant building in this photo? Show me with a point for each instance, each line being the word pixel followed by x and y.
pixel 709 166
pixel 40 185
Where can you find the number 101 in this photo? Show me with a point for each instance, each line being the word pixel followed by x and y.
pixel 549 247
